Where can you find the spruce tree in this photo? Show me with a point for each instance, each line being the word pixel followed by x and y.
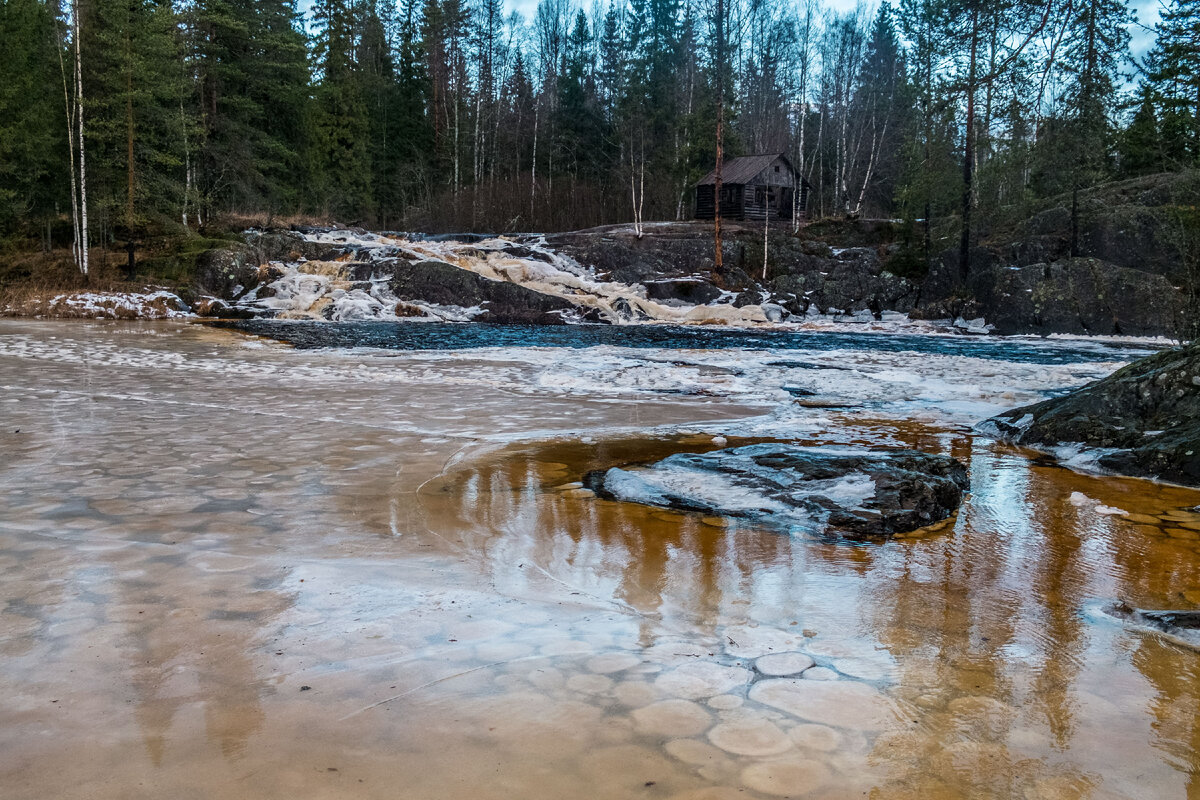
pixel 1175 74
pixel 341 124
pixel 1141 143
pixel 33 155
pixel 135 87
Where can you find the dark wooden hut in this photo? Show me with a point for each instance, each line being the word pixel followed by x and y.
pixel 754 188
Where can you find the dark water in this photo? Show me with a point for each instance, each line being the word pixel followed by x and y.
pixel 456 336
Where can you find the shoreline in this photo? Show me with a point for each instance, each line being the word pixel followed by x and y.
pixel 132 307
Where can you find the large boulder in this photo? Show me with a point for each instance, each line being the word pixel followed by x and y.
pixel 854 493
pixel 503 303
pixel 682 291
pixel 1131 224
pixel 1072 295
pixel 1143 420
pixel 1078 295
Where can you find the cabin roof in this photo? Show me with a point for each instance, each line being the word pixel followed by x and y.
pixel 745 169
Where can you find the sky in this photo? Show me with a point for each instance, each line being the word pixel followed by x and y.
pixel 1142 35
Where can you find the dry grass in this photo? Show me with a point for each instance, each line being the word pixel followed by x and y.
pixel 30 281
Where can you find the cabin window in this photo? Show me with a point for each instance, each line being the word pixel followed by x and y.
pixel 777 169
pixel 760 196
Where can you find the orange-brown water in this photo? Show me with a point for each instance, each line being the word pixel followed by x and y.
pixel 235 572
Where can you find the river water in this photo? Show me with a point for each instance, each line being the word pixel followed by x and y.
pixel 235 568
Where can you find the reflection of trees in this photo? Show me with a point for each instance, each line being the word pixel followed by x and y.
pixel 1175 674
pixel 674 570
pixel 196 650
pixel 984 621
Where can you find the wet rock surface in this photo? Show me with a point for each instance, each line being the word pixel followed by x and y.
pixel 1028 286
pixel 1179 626
pixel 505 303
pixel 1143 420
pixel 1072 295
pixel 855 493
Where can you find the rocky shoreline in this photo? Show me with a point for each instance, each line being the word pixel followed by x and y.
pixel 665 275
pixel 1141 421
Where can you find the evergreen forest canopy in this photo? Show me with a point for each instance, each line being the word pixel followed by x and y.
pixel 137 118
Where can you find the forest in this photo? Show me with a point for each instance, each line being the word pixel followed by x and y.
pixel 125 120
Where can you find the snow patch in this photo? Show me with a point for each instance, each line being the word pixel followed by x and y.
pixel 119 305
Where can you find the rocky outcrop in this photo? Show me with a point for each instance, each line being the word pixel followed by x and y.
pixel 684 291
pixel 852 493
pixel 228 273
pixel 1073 295
pixel 1131 224
pixel 502 302
pixel 1143 420
pixel 1129 276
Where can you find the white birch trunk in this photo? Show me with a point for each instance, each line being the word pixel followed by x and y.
pixel 83 224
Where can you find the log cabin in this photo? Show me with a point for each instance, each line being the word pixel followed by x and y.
pixel 754 188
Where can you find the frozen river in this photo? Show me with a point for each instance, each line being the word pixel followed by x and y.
pixel 233 568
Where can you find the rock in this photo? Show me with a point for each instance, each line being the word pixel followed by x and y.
pixel 1077 295
pixel 858 493
pixel 1179 626
pixel 773 312
pixel 842 704
pixel 750 297
pixel 820 674
pixel 504 303
pixel 1143 420
pixel 851 281
pixel 220 271
pixel 682 291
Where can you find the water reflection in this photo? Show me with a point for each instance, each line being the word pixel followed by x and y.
pixel 978 630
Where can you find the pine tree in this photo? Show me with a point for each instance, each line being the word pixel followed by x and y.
pixel 413 134
pixel 1096 47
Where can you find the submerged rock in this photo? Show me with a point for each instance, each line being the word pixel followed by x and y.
pixel 857 493
pixel 1143 420
pixel 1181 627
